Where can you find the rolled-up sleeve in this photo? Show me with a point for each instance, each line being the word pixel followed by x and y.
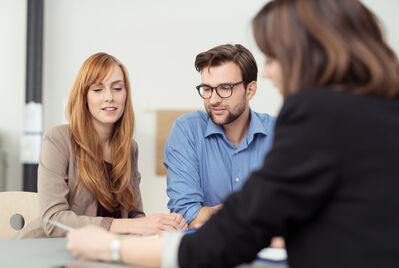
pixel 183 176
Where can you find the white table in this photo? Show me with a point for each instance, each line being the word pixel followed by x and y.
pixel 52 253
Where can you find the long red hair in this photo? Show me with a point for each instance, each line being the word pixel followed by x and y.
pixel 115 190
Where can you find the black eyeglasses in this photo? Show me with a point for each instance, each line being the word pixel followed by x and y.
pixel 223 90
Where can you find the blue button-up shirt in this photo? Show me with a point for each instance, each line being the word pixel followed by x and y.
pixel 204 167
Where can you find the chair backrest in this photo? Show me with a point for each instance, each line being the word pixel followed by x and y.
pixel 11 203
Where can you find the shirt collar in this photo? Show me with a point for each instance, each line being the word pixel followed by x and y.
pixel 212 128
pixel 255 126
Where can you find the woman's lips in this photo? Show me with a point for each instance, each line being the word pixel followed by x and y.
pixel 109 110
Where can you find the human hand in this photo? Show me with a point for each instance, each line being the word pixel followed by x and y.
pixel 90 243
pixel 277 242
pixel 182 224
pixel 218 207
pixel 157 223
pixel 203 216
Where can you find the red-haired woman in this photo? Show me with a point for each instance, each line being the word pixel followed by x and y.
pixel 88 170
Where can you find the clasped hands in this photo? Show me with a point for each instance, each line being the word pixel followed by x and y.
pixel 149 225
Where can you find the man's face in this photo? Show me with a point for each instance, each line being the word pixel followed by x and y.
pixel 224 111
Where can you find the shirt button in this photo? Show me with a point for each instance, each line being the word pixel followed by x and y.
pixel 237 179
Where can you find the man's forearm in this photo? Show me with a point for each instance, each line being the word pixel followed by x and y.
pixel 203 215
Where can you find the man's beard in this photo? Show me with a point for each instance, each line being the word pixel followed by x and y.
pixel 232 115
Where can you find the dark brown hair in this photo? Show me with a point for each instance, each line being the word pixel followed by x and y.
pixel 114 191
pixel 229 53
pixel 322 43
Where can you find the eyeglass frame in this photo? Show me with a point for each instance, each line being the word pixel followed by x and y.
pixel 216 89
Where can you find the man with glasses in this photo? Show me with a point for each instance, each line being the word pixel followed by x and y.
pixel 210 155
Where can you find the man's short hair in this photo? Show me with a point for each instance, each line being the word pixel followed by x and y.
pixel 229 53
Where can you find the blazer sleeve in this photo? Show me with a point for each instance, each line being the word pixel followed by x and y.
pixel 296 180
pixel 53 189
pixel 136 178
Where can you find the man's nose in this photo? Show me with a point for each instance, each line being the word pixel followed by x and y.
pixel 215 98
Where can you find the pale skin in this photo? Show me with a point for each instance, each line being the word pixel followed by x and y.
pixel 272 70
pixel 93 242
pixel 204 215
pixel 106 102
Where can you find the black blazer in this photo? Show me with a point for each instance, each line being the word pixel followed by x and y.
pixel 330 186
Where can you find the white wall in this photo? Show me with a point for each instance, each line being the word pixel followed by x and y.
pixel 12 87
pixel 387 13
pixel 157 41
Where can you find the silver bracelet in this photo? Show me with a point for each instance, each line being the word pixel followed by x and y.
pixel 115 247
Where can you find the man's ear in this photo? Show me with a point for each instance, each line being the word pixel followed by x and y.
pixel 251 90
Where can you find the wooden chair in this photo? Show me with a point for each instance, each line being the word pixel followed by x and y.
pixel 12 203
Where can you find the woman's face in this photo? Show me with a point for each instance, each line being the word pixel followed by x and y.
pixel 106 100
pixel 272 70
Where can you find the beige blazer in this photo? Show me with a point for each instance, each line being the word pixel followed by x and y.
pixel 57 174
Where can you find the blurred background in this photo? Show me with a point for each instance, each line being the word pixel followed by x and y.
pixel 157 40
